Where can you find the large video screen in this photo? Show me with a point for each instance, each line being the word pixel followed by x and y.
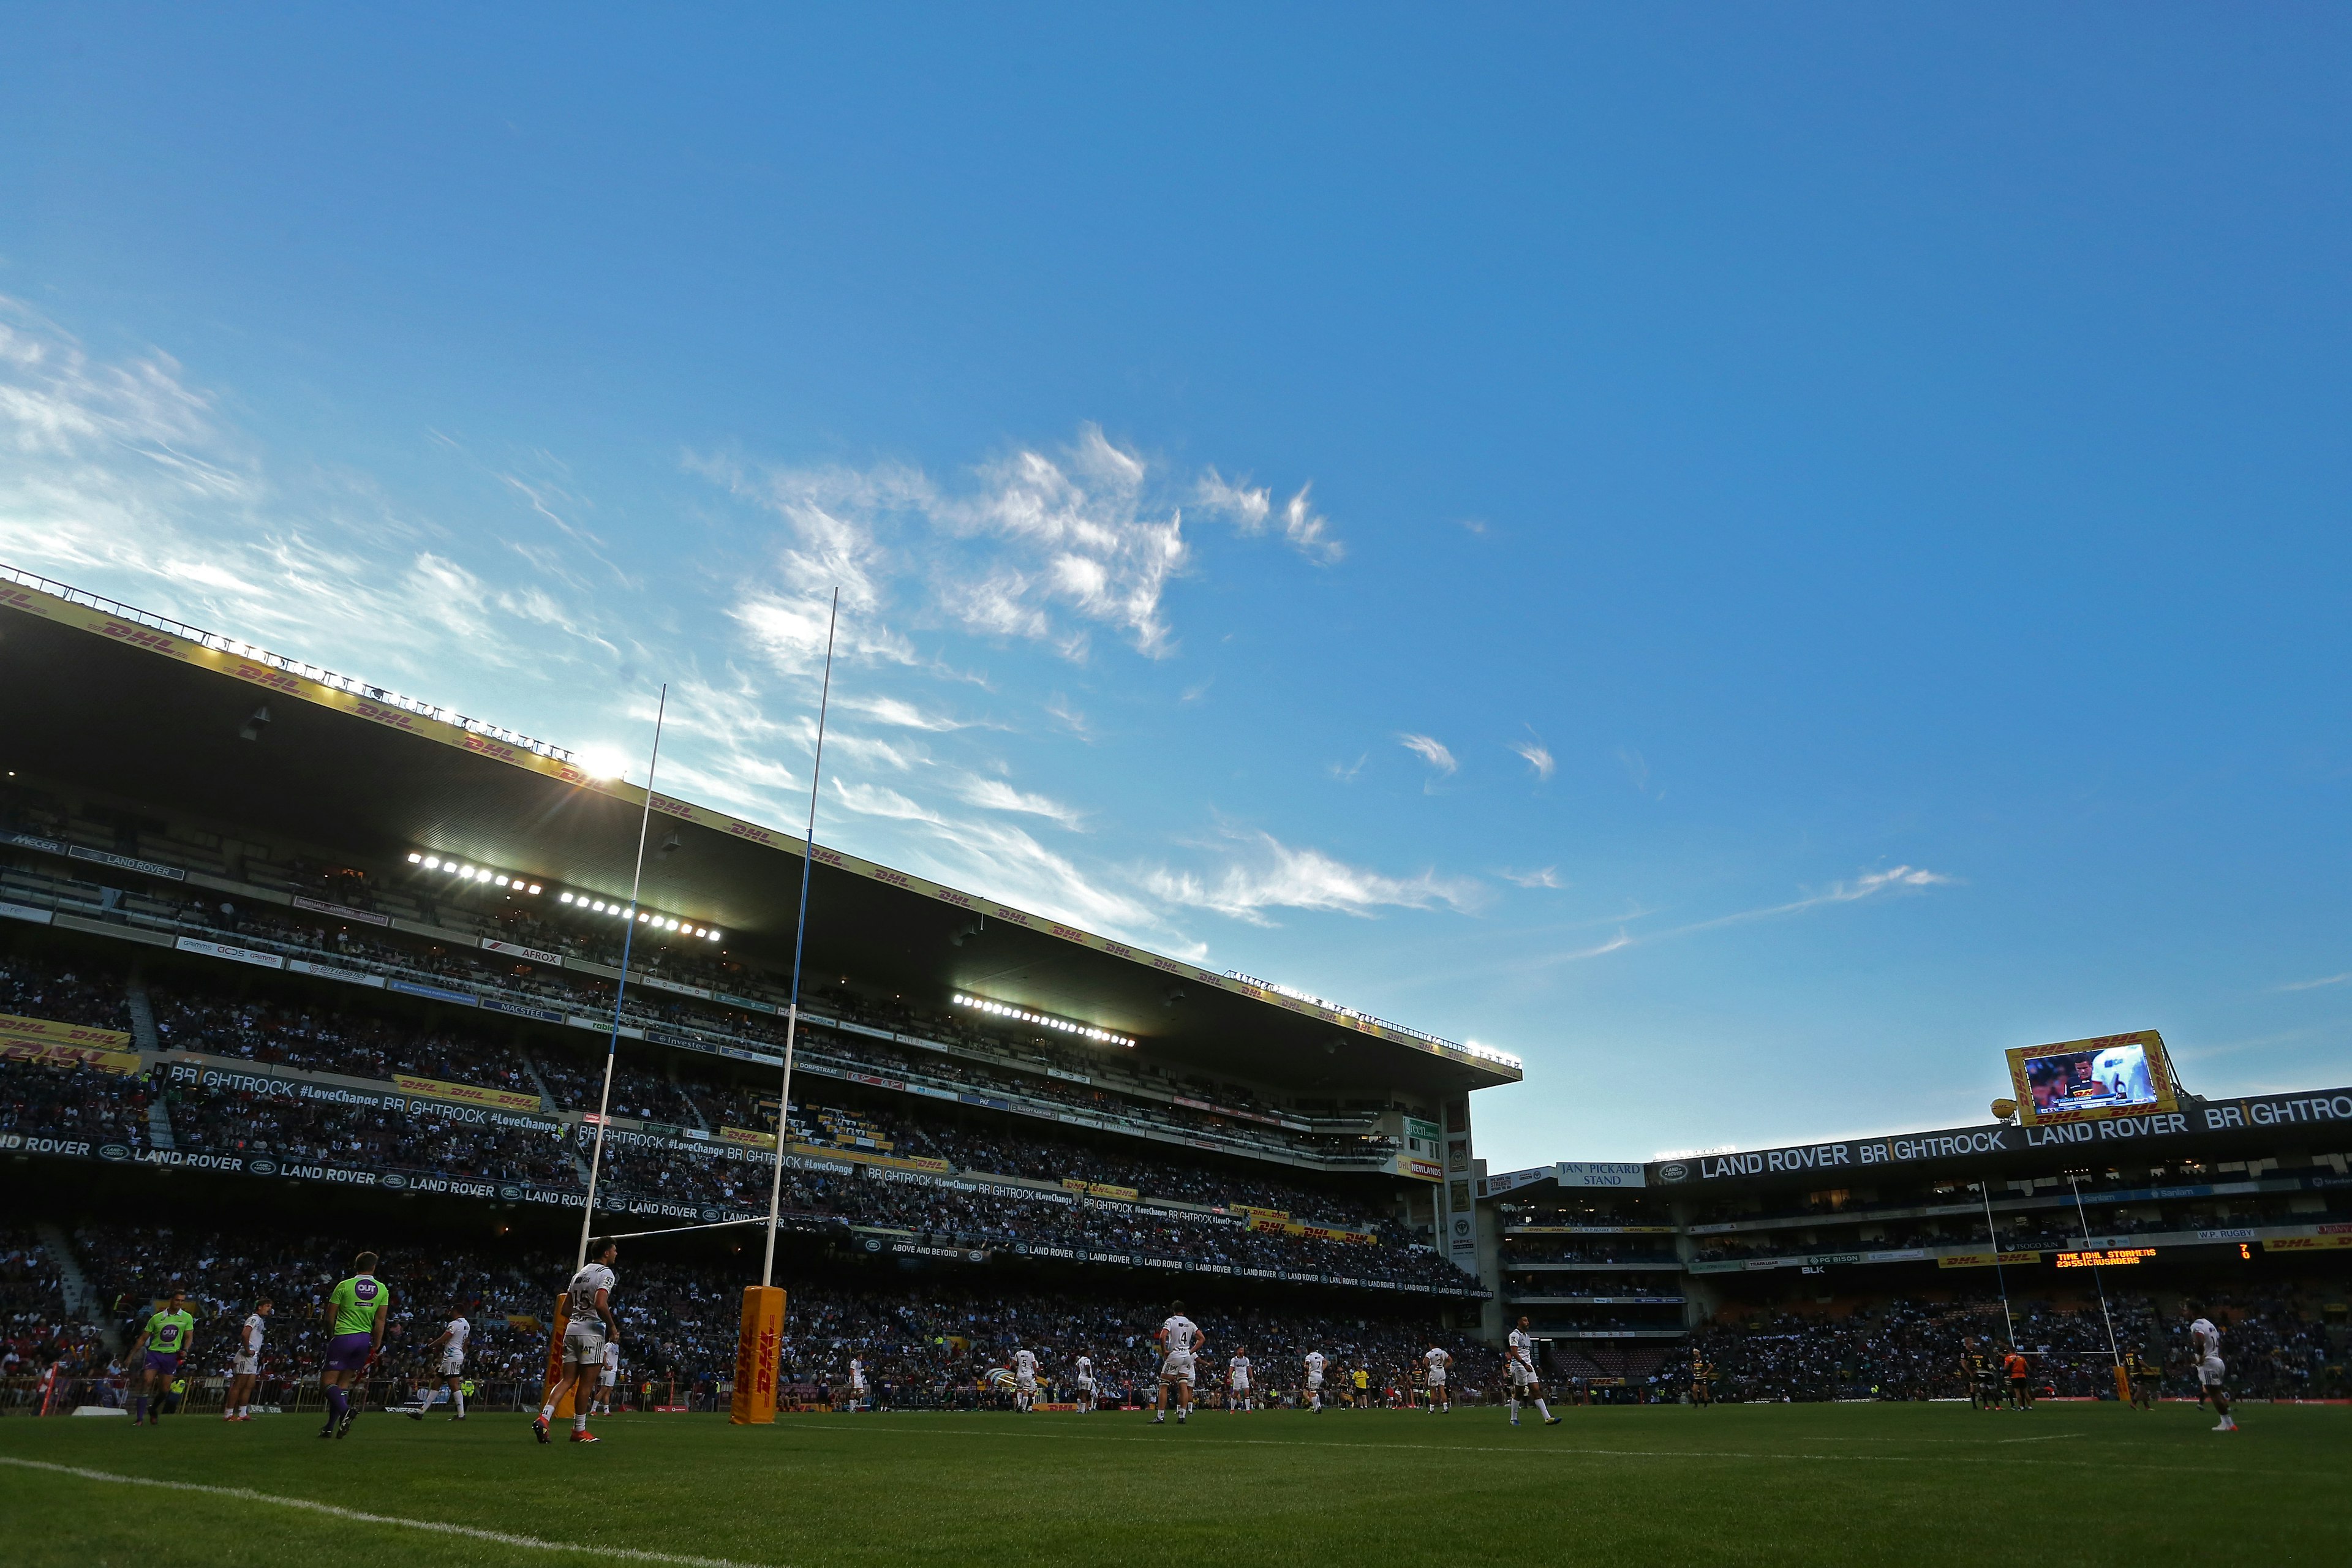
pixel 2088 1080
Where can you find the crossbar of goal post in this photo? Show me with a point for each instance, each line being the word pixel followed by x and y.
pixel 761 1336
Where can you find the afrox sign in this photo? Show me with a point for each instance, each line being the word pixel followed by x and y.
pixel 1848 1155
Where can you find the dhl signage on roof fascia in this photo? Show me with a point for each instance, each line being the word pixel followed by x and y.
pixel 286 683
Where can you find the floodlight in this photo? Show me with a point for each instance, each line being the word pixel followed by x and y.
pixel 414 859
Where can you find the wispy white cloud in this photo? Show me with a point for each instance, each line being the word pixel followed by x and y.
pixel 1636 766
pixel 1245 507
pixel 125 476
pixel 1539 757
pixel 1346 772
pixel 1869 885
pixel 1267 873
pixel 2316 985
pixel 880 800
pixel 1545 877
pixel 1431 750
pixel 1308 532
pixel 995 795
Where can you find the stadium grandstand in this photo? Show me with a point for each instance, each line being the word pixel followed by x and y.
pixel 292 966
pixel 1856 1268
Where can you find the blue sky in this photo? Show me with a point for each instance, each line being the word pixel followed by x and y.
pixel 1755 558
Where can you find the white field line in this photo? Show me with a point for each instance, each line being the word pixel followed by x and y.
pixel 495 1537
pixel 1531 1448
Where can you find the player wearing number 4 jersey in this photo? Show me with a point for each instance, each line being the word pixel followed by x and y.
pixel 1183 1340
pixel 1520 1364
pixel 589 1327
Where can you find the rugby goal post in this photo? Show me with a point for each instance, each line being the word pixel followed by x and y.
pixel 756 1347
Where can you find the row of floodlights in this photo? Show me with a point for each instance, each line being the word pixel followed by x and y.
pixel 1022 1016
pixel 645 916
pixel 467 873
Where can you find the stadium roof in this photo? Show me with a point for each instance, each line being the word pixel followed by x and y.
pixel 133 703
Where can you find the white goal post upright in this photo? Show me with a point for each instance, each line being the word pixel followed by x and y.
pixel 620 986
pixel 759 1338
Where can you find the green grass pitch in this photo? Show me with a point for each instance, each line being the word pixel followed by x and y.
pixel 1905 1484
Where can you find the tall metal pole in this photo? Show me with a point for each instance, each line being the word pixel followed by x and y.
pixel 620 986
pixel 2000 1275
pixel 2084 1218
pixel 799 939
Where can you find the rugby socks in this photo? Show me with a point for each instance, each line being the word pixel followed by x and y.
pixel 339 1404
pixel 547 1411
pixel 1544 1410
pixel 580 1421
pixel 140 1413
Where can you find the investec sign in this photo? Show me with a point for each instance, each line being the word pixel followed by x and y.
pixel 2333 1105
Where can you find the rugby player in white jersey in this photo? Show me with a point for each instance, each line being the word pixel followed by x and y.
pixel 1520 1362
pixel 451 1367
pixel 1182 1339
pixel 2205 1345
pixel 1087 1394
pixel 857 1383
pixel 607 1380
pixel 1024 1380
pixel 1315 1380
pixel 1437 1359
pixel 590 1323
pixel 245 1362
pixel 1237 1379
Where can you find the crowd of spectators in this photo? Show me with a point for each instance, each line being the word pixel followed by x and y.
pixel 2275 1346
pixel 36 1332
pixel 413 1135
pixel 922 1344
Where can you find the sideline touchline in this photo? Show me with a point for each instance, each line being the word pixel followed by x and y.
pixel 1538 1446
pixel 497 1537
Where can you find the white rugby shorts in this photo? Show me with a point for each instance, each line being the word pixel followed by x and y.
pixel 1025 1384
pixel 1314 1379
pixel 612 1375
pixel 1178 1367
pixel 1522 1377
pixel 584 1343
pixel 1437 1380
pixel 452 1363
pixel 1087 1385
pixel 2209 1373
pixel 1241 1385
pixel 244 1366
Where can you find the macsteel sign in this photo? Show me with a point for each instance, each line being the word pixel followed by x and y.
pixel 1846 1156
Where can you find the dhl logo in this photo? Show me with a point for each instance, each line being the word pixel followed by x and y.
pixel 488 747
pixel 756 835
pixel 21 599
pixel 125 631
pixel 262 675
pixel 383 715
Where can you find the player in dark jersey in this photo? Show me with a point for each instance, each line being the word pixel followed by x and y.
pixel 1702 1381
pixel 2142 1379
